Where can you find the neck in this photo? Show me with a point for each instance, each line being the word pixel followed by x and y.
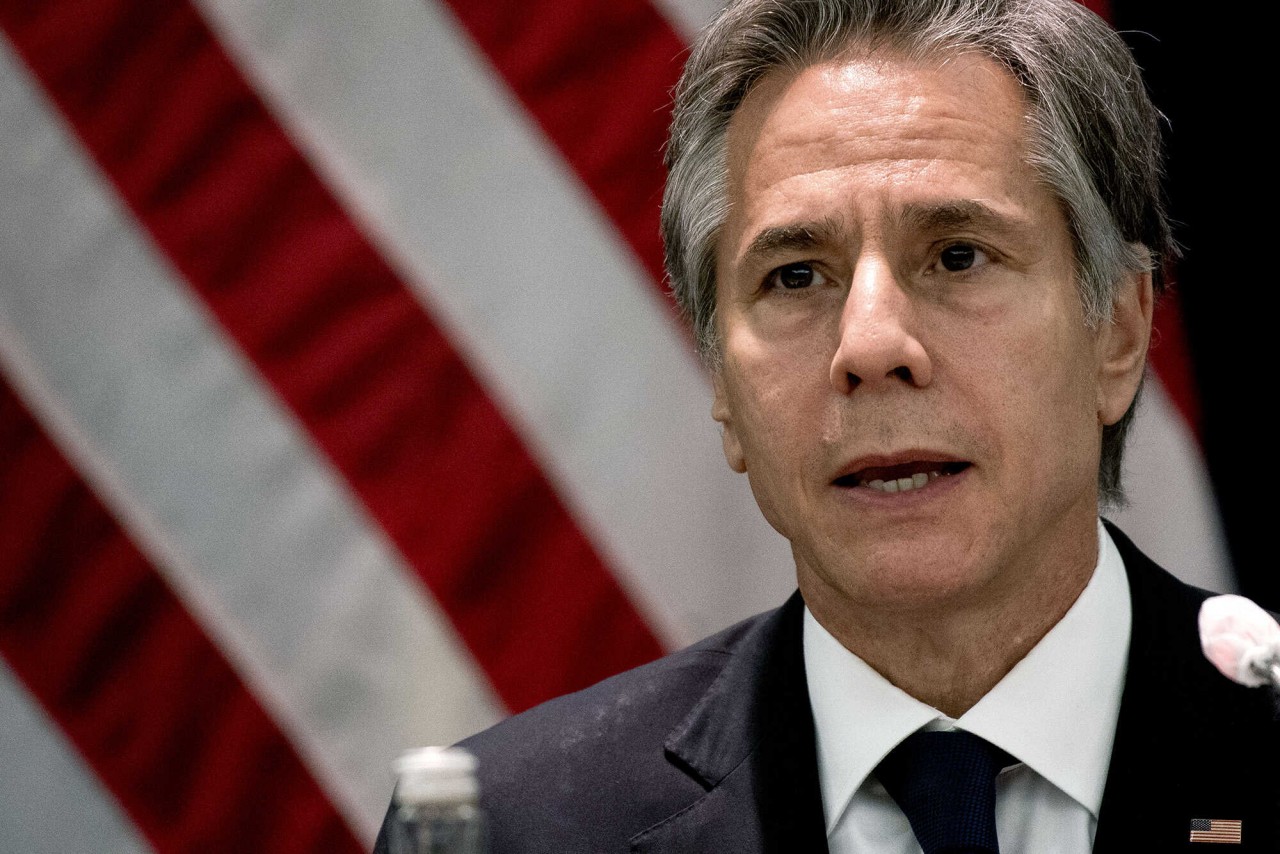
pixel 950 654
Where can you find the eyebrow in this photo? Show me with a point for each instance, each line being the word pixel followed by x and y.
pixel 927 217
pixel 793 237
pixel 958 214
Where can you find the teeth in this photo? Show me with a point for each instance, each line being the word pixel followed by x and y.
pixel 902 484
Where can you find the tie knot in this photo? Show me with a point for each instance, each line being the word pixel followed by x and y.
pixel 945 783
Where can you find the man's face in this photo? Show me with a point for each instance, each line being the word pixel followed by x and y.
pixel 908 380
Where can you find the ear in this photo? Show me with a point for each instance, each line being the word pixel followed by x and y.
pixel 722 412
pixel 1122 346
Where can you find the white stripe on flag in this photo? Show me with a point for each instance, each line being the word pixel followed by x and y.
pixel 214 480
pixel 52 801
pixel 408 125
pixel 1172 514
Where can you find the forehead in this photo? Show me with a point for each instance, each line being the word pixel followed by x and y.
pixel 879 131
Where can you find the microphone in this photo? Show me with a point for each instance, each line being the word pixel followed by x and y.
pixel 1241 640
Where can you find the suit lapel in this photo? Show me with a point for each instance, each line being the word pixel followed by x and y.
pixel 1185 734
pixel 749 741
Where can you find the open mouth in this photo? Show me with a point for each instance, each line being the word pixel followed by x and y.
pixel 903 477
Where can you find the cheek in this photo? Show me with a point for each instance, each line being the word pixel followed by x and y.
pixel 765 416
pixel 1041 397
pixel 772 389
pixel 765 434
pixel 1066 374
pixel 777 417
pixel 1027 370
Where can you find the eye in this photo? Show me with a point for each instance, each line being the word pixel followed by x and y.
pixel 958 257
pixel 793 277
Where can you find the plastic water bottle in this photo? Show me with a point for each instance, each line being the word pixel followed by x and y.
pixel 436 810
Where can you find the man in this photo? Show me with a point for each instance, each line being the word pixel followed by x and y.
pixel 919 242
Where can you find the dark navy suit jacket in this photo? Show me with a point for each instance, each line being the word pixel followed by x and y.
pixel 712 749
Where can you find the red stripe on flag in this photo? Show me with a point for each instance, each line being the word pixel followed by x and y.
pixel 598 79
pixel 110 652
pixel 254 231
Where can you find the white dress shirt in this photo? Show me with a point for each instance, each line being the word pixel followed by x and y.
pixel 1055 711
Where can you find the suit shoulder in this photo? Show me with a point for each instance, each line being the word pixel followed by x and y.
pixel 634 708
pixel 589 770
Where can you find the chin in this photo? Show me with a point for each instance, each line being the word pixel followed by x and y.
pixel 905 580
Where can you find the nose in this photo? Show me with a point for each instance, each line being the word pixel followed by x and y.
pixel 878 345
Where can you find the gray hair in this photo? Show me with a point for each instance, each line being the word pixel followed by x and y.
pixel 1094 134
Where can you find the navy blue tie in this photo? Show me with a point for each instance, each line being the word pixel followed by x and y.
pixel 945 782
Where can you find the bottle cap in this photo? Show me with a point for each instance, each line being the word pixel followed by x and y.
pixel 436 775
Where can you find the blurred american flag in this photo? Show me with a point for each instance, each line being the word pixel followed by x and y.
pixel 342 409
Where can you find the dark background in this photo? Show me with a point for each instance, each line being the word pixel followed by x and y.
pixel 1204 65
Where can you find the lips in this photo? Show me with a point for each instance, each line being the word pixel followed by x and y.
pixel 902 475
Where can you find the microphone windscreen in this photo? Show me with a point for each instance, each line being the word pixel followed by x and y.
pixel 1234 633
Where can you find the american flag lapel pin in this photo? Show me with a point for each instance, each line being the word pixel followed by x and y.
pixel 1215 830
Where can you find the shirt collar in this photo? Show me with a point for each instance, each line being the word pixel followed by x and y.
pixel 1055 710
